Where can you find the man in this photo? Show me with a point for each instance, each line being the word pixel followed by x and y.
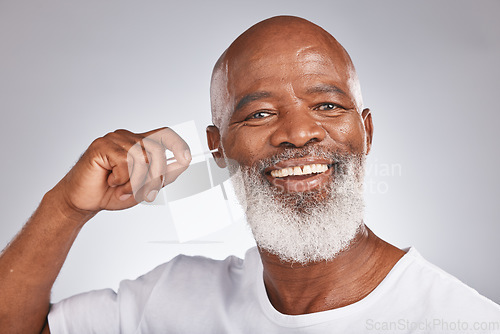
pixel 289 124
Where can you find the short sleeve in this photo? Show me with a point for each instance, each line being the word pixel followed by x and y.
pixel 91 312
pixel 104 311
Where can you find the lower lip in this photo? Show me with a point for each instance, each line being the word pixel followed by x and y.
pixel 301 183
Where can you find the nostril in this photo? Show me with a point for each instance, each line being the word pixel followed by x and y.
pixel 297 132
pixel 312 140
pixel 291 145
pixel 288 144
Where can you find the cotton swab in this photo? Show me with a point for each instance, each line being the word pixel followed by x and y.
pixel 173 159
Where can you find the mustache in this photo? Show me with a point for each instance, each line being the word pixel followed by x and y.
pixel 338 157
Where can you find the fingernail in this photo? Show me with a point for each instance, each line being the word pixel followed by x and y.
pixel 152 195
pixel 125 197
pixel 187 155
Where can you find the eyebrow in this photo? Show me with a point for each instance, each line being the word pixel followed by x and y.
pixel 251 97
pixel 321 88
pixel 325 88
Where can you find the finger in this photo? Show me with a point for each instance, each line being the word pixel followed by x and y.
pixel 123 197
pixel 124 192
pixel 120 170
pixel 157 169
pixel 173 171
pixel 170 140
pixel 139 171
pixel 113 158
pixel 124 142
pixel 151 188
pixel 141 164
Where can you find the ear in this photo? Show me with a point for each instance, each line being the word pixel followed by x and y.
pixel 367 120
pixel 213 139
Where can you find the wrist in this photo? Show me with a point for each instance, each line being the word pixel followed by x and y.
pixel 57 201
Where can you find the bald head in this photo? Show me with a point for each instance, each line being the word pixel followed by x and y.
pixel 273 42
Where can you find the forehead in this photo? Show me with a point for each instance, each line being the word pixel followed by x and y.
pixel 278 66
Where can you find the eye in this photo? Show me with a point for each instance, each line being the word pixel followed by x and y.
pixel 327 106
pixel 259 115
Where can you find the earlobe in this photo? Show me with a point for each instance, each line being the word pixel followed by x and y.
pixel 213 139
pixel 367 121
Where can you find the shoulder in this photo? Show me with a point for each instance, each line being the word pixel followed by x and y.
pixel 186 266
pixel 439 292
pixel 196 271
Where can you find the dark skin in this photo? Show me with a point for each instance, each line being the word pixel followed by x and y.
pixel 290 84
pixel 116 172
pixel 287 84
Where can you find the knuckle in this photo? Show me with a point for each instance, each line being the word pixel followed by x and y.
pixel 135 149
pixel 122 132
pixel 179 144
pixel 123 163
pixel 110 135
pixel 122 168
pixel 99 142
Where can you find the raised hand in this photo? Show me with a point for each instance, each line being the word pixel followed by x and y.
pixel 122 169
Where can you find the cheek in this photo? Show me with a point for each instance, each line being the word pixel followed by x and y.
pixel 245 145
pixel 348 133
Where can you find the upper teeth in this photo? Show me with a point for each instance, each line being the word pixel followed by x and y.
pixel 304 170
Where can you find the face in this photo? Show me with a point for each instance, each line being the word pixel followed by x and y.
pixel 298 138
pixel 293 98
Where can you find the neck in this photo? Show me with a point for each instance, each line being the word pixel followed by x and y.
pixel 299 289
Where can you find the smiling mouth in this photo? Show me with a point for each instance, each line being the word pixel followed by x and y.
pixel 305 170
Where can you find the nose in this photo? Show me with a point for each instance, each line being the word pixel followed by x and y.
pixel 297 128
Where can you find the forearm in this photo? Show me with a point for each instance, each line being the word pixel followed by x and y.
pixel 31 263
pixel 116 172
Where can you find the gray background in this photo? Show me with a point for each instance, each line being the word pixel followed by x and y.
pixel 72 71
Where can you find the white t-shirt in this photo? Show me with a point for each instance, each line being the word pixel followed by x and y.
pixel 199 295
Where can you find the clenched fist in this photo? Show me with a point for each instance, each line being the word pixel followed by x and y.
pixel 122 169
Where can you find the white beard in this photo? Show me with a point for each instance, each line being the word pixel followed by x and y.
pixel 303 227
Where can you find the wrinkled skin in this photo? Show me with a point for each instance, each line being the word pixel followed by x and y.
pixel 286 83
